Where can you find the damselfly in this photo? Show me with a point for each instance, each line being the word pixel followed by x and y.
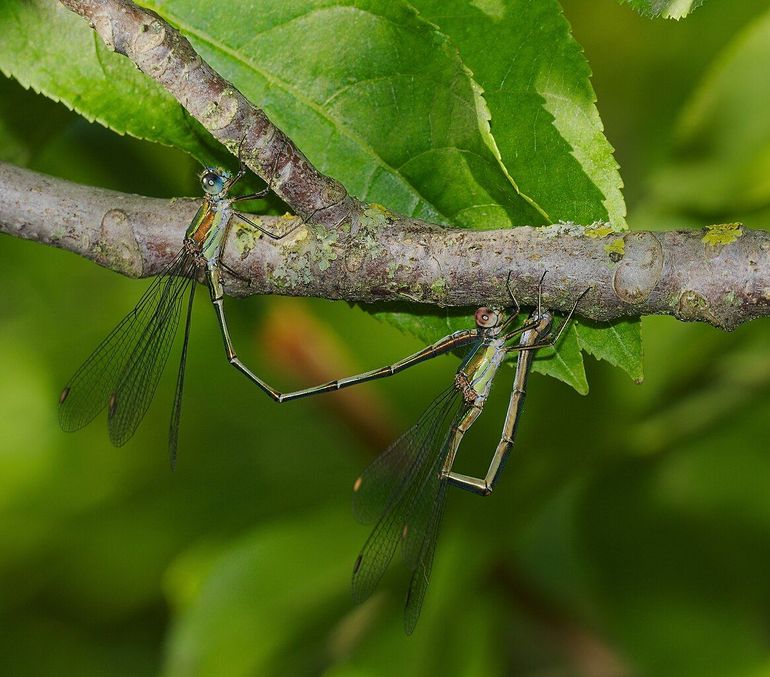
pixel 404 489
pixel 122 374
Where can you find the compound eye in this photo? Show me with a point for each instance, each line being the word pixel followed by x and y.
pixel 486 317
pixel 212 182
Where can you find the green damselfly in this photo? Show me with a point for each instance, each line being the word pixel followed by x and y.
pixel 123 372
pixel 404 489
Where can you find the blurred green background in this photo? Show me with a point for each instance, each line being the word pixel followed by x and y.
pixel 631 533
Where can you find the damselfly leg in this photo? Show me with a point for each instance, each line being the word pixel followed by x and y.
pixel 538 336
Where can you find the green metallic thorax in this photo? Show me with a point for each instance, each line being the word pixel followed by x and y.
pixel 208 229
pixel 481 365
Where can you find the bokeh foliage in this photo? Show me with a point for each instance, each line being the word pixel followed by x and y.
pixel 637 521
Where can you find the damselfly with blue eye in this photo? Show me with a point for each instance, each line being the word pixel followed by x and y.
pixel 404 489
pixel 122 374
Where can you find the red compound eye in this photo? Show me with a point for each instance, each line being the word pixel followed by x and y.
pixel 486 317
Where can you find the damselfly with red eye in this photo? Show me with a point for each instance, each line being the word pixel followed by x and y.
pixel 404 489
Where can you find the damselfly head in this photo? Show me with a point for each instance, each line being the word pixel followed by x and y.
pixel 214 180
pixel 486 318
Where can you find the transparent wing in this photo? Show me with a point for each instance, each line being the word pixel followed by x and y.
pixel 376 486
pixel 141 373
pixel 413 478
pixel 419 539
pixel 176 410
pixel 423 564
pixel 123 371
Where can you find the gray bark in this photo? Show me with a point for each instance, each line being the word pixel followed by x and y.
pixel 719 275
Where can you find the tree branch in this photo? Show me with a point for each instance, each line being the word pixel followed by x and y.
pixel 719 275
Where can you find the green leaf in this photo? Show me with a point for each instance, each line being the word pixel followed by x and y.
pixel 390 111
pixel 72 65
pixel 722 162
pixel 279 584
pixel 566 363
pixel 411 109
pixel 540 105
pixel 618 342
pixel 667 9
pixel 539 102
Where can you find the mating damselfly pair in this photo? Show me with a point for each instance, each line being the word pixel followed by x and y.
pixel 404 489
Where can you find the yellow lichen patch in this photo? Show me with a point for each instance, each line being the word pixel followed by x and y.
pixel 439 288
pixel 300 236
pixel 375 216
pixel 246 236
pixel 246 239
pixel 599 230
pixel 392 269
pixel 722 234
pixel 616 249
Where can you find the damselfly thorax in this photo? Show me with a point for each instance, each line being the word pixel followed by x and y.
pixel 477 372
pixel 207 232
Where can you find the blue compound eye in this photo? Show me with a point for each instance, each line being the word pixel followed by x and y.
pixel 212 182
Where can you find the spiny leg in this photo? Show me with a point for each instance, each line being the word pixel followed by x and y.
pixel 279 236
pixel 265 231
pixel 264 193
pixel 458 432
pixel 540 294
pixel 527 326
pixel 553 339
pixel 446 344
pixel 252 196
pixel 217 295
pixel 569 315
pixel 255 196
pixel 242 172
pixel 512 416
pixel 510 293
pixel 485 486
